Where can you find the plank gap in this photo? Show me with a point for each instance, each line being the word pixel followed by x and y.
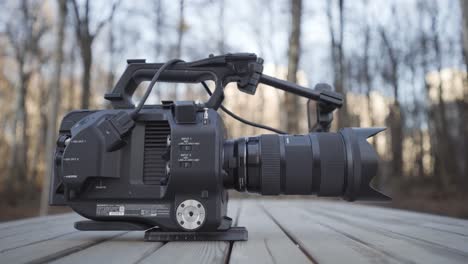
pixel 234 223
pixel 407 222
pixel 38 241
pixel 390 255
pixel 295 242
pixel 149 252
pixel 72 250
pixel 400 235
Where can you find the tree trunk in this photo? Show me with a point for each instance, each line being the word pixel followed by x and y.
pixel 178 50
pixel 41 136
pixel 338 60
pixel 429 108
pixel 158 9
pixel 112 51
pixel 159 12
pixel 221 36
pixel 54 104
pixel 464 7
pixel 368 76
pixel 449 163
pixel 343 118
pixel 292 101
pixel 396 118
pixel 396 127
pixel 71 93
pixel 85 40
pixel 464 107
pixel 87 60
pixel 18 164
pixel 180 29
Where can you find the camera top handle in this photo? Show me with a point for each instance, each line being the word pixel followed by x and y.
pixel 243 68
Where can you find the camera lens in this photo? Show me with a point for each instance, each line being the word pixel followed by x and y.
pixel 326 164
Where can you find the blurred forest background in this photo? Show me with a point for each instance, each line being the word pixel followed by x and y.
pixel 401 63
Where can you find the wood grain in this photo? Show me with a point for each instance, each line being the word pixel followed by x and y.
pixel 325 244
pixel 280 231
pixel 267 242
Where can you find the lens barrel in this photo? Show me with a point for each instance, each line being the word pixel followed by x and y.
pixel 327 164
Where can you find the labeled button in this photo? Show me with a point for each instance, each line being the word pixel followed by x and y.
pixel 186 147
pixel 185 164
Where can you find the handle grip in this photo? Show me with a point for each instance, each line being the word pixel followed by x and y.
pixel 223 69
pixel 136 73
pixel 243 68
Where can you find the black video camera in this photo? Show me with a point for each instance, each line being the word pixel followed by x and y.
pixel 167 168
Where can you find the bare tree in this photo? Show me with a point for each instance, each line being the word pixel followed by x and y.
pixel 423 48
pixel 24 34
pixel 181 28
pixel 158 16
pixel 85 40
pixel 291 101
pixel 54 103
pixel 464 8
pixel 417 110
pixel 221 34
pixel 391 75
pixel 71 62
pixel 367 71
pixel 40 133
pixel 112 51
pixel 337 56
pixel 159 23
pixel 447 163
pixel 464 111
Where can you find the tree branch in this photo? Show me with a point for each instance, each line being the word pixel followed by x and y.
pixel 107 20
pixel 77 18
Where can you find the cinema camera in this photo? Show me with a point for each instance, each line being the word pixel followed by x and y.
pixel 166 168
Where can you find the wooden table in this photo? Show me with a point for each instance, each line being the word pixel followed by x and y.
pixel 280 231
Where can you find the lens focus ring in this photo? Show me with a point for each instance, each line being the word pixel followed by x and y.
pixel 270 164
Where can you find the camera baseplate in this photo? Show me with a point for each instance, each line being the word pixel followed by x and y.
pixel 231 234
pixel 155 234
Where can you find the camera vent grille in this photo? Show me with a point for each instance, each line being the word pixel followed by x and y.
pixel 154 164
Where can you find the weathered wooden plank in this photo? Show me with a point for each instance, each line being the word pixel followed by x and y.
pixel 296 231
pixel 267 242
pixel 28 238
pixel 128 248
pixel 55 248
pixel 442 223
pixel 409 230
pixel 391 244
pixel 40 224
pixel 323 243
pixel 393 213
pixel 32 221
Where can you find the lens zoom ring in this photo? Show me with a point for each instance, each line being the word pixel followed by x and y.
pixel 270 164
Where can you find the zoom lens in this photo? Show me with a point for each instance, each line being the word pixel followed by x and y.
pixel 327 164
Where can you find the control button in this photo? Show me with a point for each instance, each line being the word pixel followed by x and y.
pixel 185 164
pixel 61 141
pixel 186 147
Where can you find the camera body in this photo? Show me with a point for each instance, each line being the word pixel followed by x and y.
pixel 173 155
